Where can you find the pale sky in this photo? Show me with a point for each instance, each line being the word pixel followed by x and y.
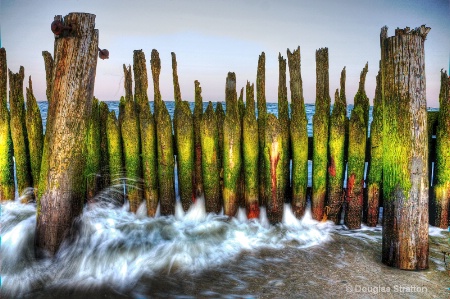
pixel 211 38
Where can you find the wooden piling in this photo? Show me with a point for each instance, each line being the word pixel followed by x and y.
pixel 164 144
pixel 220 117
pixel 147 133
pixel 18 131
pixel 48 63
pixel 250 150
pixel 336 147
pixel 198 111
pixel 176 85
pixel 283 119
pixel 298 135
pixel 405 150
pixel 273 156
pixel 115 153
pixel 320 135
pixel 70 105
pixel 7 188
pixel 35 135
pixel 375 169
pixel 104 179
pixel 129 127
pixel 231 148
pixel 93 151
pixel 441 198
pixel 262 115
pixel 210 163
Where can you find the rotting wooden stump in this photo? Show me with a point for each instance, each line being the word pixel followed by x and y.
pixel 320 135
pixel 115 153
pixel 198 111
pixel 336 147
pixel 375 169
pixel 73 87
pixel 231 148
pixel 220 116
pixel 7 188
pixel 210 160
pixel 49 64
pixel 129 126
pixel 405 149
pixel 241 180
pixel 273 156
pixel 164 144
pixel 250 151
pixel 262 115
pixel 147 133
pixel 298 136
pixel 93 152
pixel 283 118
pixel 441 199
pixel 18 131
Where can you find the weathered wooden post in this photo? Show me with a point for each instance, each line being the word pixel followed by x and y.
pixel 320 135
pixel 129 126
pixel 7 188
pixel 356 157
pixel 231 148
pixel 115 153
pixel 250 150
pixel 405 149
pixel 73 87
pixel 336 147
pixel 210 162
pixel 262 115
pixel 147 133
pixel 241 179
pixel 220 117
pixel 283 119
pixel 375 170
pixel 35 136
pixel 274 173
pixel 442 173
pixel 18 130
pixel 298 135
pixel 164 143
pixel 93 151
pixel 198 111
pixel 104 155
pixel 176 85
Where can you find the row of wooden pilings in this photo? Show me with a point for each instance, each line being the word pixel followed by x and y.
pixel 235 158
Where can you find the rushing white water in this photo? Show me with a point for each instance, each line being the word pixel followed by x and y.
pixel 116 247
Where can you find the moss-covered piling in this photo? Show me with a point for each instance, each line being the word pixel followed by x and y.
pixel 283 118
pixel 115 153
pixel 220 116
pixel 7 188
pixel 250 150
pixel 441 197
pixel 320 135
pixel 164 144
pixel 262 115
pixel 18 130
pixel 198 111
pixel 210 160
pixel 104 179
pixel 298 135
pixel 336 147
pixel 274 174
pixel 375 169
pixel 93 151
pixel 231 148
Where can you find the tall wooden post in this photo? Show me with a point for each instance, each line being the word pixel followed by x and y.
pixel 198 112
pixel 262 115
pixel 283 119
pixel 73 81
pixel 405 149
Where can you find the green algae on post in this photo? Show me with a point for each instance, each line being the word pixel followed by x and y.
pixel 210 162
pixel 231 148
pixel 48 62
pixel 164 144
pixel 336 147
pixel 241 183
pixel 147 134
pixel 7 188
pixel 442 185
pixel 274 173
pixel 92 171
pixel 115 153
pixel 104 180
pixel 320 135
pixel 18 131
pixel 361 98
pixel 375 169
pixel 176 85
pixel 298 135
pixel 405 149
pixel 198 111
pixel 220 116
pixel 250 151
pixel 262 115
pixel 283 119
pixel 131 144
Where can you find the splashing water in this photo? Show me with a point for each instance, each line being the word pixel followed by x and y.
pixel 113 246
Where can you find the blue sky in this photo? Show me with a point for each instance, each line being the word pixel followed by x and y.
pixel 214 37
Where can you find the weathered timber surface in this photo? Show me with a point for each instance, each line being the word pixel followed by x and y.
pixel 115 153
pixel 283 118
pixel 105 177
pixel 220 116
pixel 7 188
pixel 405 149
pixel 262 115
pixel 298 135
pixel 73 86
pixel 93 152
pixel 198 111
